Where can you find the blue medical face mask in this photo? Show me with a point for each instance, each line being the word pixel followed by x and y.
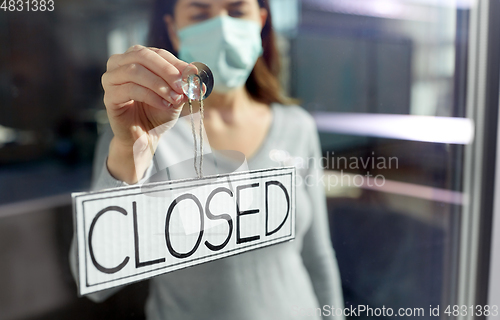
pixel 228 46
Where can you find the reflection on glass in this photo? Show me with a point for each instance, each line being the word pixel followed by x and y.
pixel 379 56
pixel 393 178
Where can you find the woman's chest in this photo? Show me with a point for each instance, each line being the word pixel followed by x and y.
pixel 177 150
pixel 246 135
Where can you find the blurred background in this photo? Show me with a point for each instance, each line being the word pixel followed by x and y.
pixel 412 80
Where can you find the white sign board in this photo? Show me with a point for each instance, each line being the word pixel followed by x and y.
pixel 137 232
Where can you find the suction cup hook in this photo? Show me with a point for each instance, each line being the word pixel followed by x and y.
pixel 197 81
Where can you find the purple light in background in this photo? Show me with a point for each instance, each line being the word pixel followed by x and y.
pixel 403 127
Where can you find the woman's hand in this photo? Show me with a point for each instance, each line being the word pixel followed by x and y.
pixel 142 91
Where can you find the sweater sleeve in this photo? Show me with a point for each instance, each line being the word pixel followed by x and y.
pixel 317 251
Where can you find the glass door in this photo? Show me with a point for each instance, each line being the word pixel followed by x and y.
pixel 395 88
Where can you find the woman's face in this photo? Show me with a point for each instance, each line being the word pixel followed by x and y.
pixel 189 12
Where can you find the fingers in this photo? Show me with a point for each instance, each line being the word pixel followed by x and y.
pixel 161 62
pixel 179 64
pixel 118 96
pixel 113 60
pixel 138 74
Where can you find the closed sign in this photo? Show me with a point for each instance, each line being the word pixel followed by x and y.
pixel 133 233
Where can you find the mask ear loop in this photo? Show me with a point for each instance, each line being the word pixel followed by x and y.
pixel 192 79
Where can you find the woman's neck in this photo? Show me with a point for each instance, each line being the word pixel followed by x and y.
pixel 226 105
pixel 231 101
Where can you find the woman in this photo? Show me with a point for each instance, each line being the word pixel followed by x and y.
pixel 245 112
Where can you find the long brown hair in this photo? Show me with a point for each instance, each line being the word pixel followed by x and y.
pixel 262 84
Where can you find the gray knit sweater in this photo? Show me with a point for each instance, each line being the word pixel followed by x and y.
pixel 290 280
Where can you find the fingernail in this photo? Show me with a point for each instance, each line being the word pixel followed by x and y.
pixel 166 103
pixel 178 85
pixel 175 97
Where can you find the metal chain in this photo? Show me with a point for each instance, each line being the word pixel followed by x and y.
pixel 202 115
pixel 194 138
pixel 198 169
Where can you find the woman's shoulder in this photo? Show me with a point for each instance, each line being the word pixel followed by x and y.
pixel 294 117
